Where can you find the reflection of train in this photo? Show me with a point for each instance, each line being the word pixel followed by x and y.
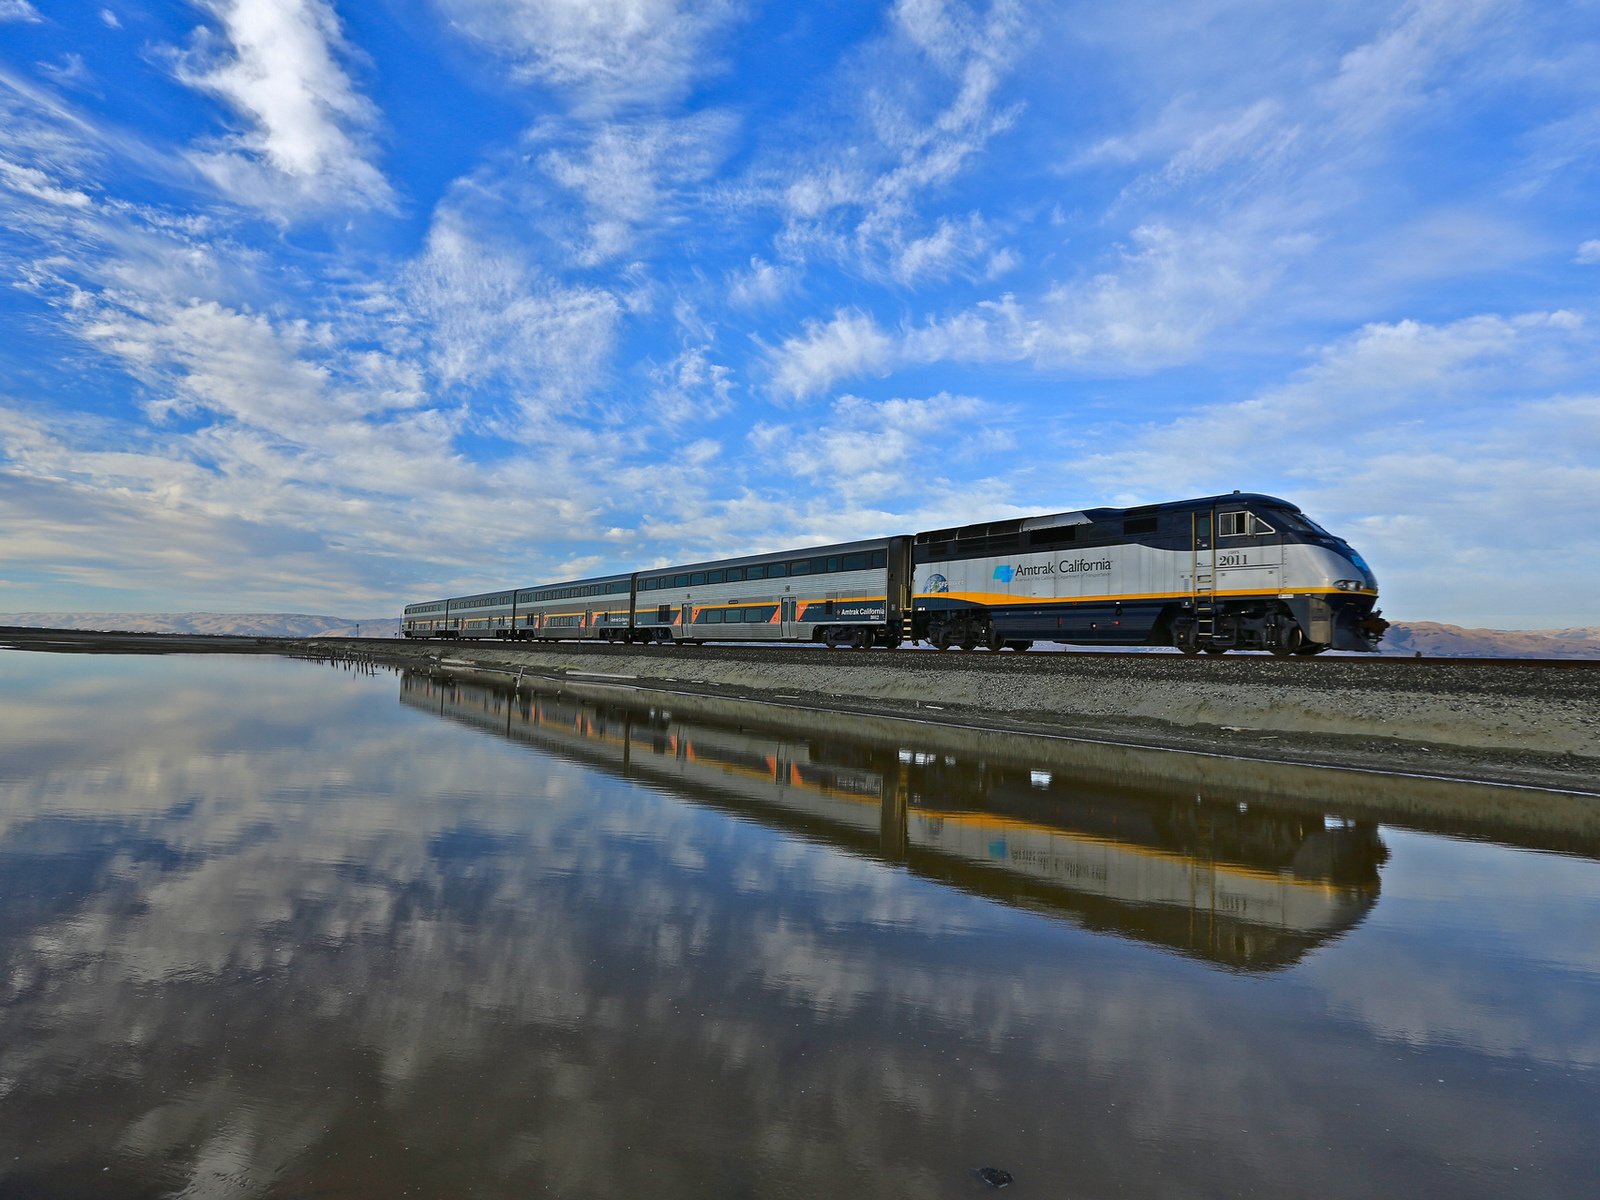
pixel 1213 574
pixel 1241 885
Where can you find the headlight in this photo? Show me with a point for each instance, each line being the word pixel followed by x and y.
pixel 1347 585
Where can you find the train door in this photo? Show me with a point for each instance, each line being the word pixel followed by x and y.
pixel 686 621
pixel 788 608
pixel 1248 552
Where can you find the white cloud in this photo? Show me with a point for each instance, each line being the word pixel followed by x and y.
pixel 110 19
pixel 1155 306
pixel 762 284
pixel 19 10
pixel 691 388
pixel 863 450
pixel 492 315
pixel 860 198
pixel 306 144
pixel 1390 72
pixel 605 54
pixel 849 345
pixel 29 181
pixel 1589 253
pixel 626 173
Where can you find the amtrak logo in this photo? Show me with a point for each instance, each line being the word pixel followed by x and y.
pixel 1004 573
pixel 938 583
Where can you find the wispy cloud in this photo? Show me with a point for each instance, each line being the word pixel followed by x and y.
pixel 625 175
pixel 849 345
pixel 307 138
pixel 862 203
pixel 490 315
pixel 862 450
pixel 603 54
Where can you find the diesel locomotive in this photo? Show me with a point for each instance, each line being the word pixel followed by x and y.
pixel 1243 571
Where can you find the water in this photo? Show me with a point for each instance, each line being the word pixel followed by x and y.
pixel 270 928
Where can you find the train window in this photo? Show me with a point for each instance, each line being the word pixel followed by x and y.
pixel 777 570
pixel 833 563
pixel 735 574
pixel 698 579
pixel 819 566
pixel 880 558
pixel 756 572
pixel 800 567
pixel 1132 525
pixel 680 581
pixel 714 577
pixel 1059 536
pixel 854 562
pixel 713 616
pixel 1241 524
pixel 664 612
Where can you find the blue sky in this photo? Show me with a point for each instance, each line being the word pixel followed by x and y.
pixel 321 306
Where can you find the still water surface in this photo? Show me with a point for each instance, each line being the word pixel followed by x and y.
pixel 275 929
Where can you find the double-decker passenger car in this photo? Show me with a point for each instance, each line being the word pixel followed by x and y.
pixel 849 594
pixel 1241 571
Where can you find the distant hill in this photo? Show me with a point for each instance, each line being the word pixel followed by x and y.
pixel 298 625
pixel 1432 639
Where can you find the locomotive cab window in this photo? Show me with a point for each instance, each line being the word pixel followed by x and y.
pixel 1241 524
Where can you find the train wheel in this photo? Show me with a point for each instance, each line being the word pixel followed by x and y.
pixel 1019 647
pixel 830 638
pixel 1289 640
pixel 1310 648
pixel 970 644
pixel 861 639
pixel 940 640
pixel 1215 649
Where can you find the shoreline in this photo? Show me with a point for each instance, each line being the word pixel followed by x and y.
pixel 1516 724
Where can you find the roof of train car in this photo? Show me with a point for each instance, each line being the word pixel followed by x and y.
pixel 773 556
pixel 1086 516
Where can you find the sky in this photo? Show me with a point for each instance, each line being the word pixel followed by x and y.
pixel 324 306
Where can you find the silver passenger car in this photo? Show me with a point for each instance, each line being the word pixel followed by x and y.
pixel 852 593
pixel 578 610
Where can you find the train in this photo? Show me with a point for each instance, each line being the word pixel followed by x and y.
pixel 1242 571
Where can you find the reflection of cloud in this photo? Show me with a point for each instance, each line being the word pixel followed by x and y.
pixel 318 921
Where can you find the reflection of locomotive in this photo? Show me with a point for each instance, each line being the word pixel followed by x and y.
pixel 1245 886
pixel 1217 573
